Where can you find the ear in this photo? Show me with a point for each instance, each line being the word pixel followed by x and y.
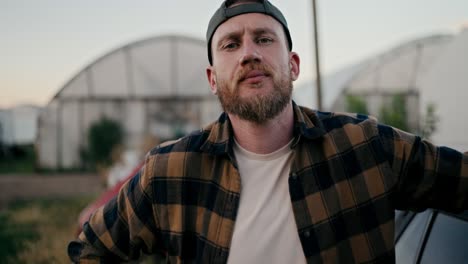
pixel 294 62
pixel 211 75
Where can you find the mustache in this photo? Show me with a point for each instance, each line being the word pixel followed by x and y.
pixel 243 73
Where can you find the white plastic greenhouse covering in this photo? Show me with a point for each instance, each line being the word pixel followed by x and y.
pixel 430 70
pixel 446 86
pixel 399 70
pixel 153 87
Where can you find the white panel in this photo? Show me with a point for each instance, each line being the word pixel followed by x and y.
pixel 374 103
pixel 339 105
pixel 159 123
pixel 163 131
pixel 210 111
pixel 305 94
pixel 366 80
pixel 161 119
pixel 191 60
pixel 134 123
pixel 430 53
pixel 446 86
pixel 399 69
pixel 151 68
pixel 412 108
pixel 389 73
pixel 396 73
pixel 114 110
pixel 70 135
pixel 109 76
pixel 134 120
pixel 77 87
pixel 47 137
pixel 170 119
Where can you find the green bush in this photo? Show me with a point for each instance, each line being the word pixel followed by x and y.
pixel 429 121
pixel 356 105
pixel 18 159
pixel 103 137
pixel 396 114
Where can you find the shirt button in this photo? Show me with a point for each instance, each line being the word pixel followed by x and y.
pixel 294 176
pixel 307 234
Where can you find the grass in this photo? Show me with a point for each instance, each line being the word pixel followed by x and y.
pixel 39 231
pixel 13 237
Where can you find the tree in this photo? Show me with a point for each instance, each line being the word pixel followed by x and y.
pixel 356 105
pixel 429 121
pixel 396 114
pixel 103 137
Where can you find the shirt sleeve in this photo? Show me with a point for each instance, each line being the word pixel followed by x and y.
pixel 120 230
pixel 428 176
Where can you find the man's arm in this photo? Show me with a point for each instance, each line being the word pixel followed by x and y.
pixel 428 176
pixel 120 230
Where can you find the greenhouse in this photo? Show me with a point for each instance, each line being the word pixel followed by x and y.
pixel 154 88
pixel 396 72
pixel 428 72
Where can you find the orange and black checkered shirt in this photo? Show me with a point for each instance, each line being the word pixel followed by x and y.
pixel 348 175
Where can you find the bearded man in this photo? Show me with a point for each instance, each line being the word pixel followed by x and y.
pixel 270 181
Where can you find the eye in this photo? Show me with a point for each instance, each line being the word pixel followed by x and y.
pixel 230 45
pixel 264 40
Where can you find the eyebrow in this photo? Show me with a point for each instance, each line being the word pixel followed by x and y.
pixel 264 30
pixel 236 35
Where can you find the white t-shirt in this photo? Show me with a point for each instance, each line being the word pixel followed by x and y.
pixel 265 230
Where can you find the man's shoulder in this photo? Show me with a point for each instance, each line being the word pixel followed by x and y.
pixel 331 120
pixel 189 143
pixel 178 157
pixel 192 142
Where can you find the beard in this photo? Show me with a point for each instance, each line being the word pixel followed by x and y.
pixel 257 108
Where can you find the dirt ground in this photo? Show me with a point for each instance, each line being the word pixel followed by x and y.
pixel 13 187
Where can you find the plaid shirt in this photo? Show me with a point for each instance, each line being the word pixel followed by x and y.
pixel 348 175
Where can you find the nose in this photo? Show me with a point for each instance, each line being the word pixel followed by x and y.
pixel 250 53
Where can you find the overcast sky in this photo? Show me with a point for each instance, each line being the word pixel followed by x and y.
pixel 45 43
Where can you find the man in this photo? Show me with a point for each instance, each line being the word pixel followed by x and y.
pixel 272 182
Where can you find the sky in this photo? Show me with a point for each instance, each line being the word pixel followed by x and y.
pixel 45 43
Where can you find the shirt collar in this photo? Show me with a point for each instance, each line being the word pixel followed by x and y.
pixel 220 136
pixel 307 124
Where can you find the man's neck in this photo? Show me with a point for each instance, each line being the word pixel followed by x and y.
pixel 264 138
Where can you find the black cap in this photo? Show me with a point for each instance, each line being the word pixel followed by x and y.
pixel 224 13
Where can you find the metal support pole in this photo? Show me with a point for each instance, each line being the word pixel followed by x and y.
pixel 317 59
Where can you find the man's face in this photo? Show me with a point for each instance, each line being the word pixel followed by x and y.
pixel 252 70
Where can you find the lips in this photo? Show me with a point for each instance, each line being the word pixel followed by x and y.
pixel 253 76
